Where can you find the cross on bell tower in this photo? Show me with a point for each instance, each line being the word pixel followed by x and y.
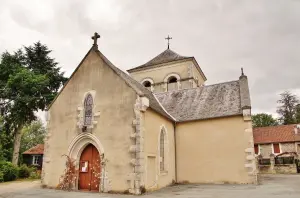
pixel 95 37
pixel 168 38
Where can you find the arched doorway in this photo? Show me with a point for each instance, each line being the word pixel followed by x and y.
pixel 89 169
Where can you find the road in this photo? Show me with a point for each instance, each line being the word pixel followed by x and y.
pixel 283 186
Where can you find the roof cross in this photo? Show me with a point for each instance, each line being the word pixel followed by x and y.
pixel 168 38
pixel 95 37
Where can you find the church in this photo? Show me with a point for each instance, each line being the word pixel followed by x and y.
pixel 155 126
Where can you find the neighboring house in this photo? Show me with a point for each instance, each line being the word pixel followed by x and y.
pixel 144 131
pixel 34 156
pixel 277 144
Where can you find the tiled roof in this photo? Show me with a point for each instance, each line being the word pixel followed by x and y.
pixel 212 101
pixel 275 134
pixel 38 149
pixel 164 57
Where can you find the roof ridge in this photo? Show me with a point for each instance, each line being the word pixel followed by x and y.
pixel 281 125
pixel 180 90
pixel 167 50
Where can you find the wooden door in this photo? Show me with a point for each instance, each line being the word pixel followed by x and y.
pixel 89 169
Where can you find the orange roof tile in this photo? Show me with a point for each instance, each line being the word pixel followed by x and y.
pixel 275 134
pixel 38 149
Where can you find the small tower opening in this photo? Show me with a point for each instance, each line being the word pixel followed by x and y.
pixel 147 84
pixel 172 79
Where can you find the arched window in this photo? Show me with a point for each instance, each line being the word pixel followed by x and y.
pixel 162 150
pixel 172 79
pixel 88 110
pixel 172 83
pixel 147 83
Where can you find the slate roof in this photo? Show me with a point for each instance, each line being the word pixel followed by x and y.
pixel 164 57
pixel 36 150
pixel 139 88
pixel 275 134
pixel 212 101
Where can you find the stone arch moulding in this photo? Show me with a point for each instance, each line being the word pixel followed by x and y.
pixel 77 146
pixel 80 109
pixel 172 74
pixel 177 76
pixel 150 80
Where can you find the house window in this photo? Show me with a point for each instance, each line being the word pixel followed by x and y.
pixel 35 159
pixel 162 151
pixel 256 150
pixel 276 148
pixel 88 110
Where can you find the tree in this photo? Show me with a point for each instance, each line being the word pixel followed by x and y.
pixel 263 120
pixel 29 81
pixel 297 113
pixel 287 108
pixel 5 142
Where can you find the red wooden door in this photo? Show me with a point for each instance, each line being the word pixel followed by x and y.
pixel 89 169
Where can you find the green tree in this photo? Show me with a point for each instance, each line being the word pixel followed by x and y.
pixel 6 143
pixel 288 103
pixel 263 120
pixel 29 81
pixel 297 113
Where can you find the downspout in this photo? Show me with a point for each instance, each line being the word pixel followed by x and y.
pixel 175 143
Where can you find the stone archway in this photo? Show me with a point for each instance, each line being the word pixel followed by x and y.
pixel 77 146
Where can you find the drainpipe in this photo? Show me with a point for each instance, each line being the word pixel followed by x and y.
pixel 175 143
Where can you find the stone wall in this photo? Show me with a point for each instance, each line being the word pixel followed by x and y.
pixel 277 168
pixel 287 147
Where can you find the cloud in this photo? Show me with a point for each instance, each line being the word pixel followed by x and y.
pixel 261 36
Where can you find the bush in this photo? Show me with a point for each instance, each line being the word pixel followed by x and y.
pixel 1 177
pixel 10 171
pixel 24 171
pixel 35 175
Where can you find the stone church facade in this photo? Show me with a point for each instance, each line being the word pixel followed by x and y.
pixel 157 126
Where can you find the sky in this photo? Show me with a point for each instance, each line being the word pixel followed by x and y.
pixel 262 36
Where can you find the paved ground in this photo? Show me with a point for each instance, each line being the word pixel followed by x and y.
pixel 273 186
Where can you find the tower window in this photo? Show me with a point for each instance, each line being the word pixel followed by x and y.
pixel 172 79
pixel 147 84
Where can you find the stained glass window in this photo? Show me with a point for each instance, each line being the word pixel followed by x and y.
pixel 162 150
pixel 88 110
